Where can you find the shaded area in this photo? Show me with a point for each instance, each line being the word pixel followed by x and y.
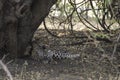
pixel 94 63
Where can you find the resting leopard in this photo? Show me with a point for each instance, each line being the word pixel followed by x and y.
pixel 42 53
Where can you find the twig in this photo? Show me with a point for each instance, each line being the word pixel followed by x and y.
pixel 4 57
pixel 6 70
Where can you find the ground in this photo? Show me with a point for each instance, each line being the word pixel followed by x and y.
pixel 97 60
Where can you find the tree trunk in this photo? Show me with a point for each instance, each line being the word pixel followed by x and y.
pixel 19 19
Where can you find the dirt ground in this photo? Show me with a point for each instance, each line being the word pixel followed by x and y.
pixel 96 61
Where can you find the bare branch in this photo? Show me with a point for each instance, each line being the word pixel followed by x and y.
pixel 6 70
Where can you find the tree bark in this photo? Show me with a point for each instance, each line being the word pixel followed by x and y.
pixel 19 19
